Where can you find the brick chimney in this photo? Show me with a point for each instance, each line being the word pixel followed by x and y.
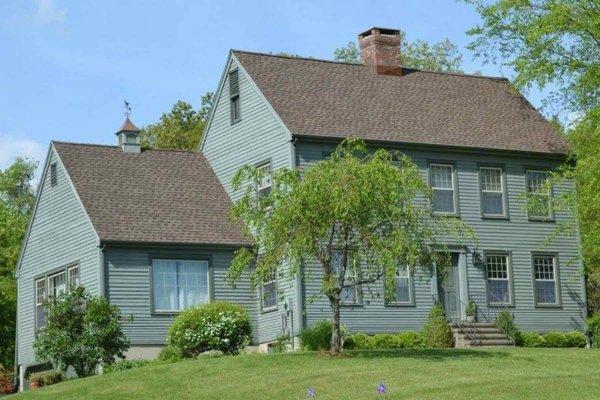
pixel 380 49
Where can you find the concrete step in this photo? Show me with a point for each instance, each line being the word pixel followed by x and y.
pixel 492 342
pixel 476 330
pixel 486 336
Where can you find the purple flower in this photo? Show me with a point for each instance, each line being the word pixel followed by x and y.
pixel 310 392
pixel 381 389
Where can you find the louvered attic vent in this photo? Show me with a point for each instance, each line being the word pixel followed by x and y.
pixel 53 175
pixel 234 83
pixel 234 96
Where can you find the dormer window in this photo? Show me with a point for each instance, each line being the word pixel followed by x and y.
pixel 234 96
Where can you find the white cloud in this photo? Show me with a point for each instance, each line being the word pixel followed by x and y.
pixel 12 147
pixel 47 12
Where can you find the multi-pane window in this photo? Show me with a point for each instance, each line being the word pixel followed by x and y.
pixel 269 292
pixel 442 184
pixel 234 96
pixel 498 279
pixel 40 297
pixel 179 284
pixel 74 279
pixel 538 191
pixel 265 182
pixel 57 284
pixel 492 191
pixel 544 273
pixel 402 292
pixel 349 294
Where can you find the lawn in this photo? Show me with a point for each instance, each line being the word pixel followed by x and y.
pixel 497 373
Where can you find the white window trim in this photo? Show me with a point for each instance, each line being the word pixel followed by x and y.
pixel 501 191
pixel 548 194
pixel 69 275
pixel 266 172
pixel 453 190
pixel 411 298
pixel 508 279
pixel 44 280
pixel 51 277
pixel 262 295
pixel 555 280
pixel 153 294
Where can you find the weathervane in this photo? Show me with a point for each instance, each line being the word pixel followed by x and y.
pixel 127 109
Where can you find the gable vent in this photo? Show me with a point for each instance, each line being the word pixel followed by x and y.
pixel 53 175
pixel 234 83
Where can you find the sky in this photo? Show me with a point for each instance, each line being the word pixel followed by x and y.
pixel 67 66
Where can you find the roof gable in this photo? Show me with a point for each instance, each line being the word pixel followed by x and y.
pixel 338 100
pixel 158 196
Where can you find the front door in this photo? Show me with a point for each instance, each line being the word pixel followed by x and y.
pixel 449 291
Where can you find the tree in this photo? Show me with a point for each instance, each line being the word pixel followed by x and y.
pixel 442 56
pixel 81 331
pixel 16 202
pixel 360 216
pixel 181 128
pixel 555 45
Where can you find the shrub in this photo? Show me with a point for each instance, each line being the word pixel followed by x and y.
pixel 170 354
pixel 81 331
pixel 437 332
pixel 211 354
pixel 219 325
pixel 358 341
pixel 6 381
pixel 282 343
pixel 402 340
pixel 46 378
pixel 506 323
pixel 575 339
pixel 124 365
pixel 471 309
pixel 532 339
pixel 318 336
pixel 554 339
pixel 593 325
pixel 411 340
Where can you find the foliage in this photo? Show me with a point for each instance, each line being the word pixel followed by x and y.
pixel 318 336
pixel 81 331
pixel 441 56
pixel 437 331
pixel 553 339
pixel 123 365
pixel 211 354
pixel 359 214
pixel 181 128
pixel 546 42
pixel 532 339
pixel 218 325
pixel 402 340
pixel 16 202
pixel 47 378
pixel 593 325
pixel 170 354
pixel 471 309
pixel 506 323
pixel 283 343
pixel 593 287
pixel 6 381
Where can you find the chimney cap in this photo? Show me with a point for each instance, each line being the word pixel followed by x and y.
pixel 378 30
pixel 128 126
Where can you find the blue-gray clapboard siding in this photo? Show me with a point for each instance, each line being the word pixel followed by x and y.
pixel 517 235
pixel 60 234
pixel 258 137
pixel 128 287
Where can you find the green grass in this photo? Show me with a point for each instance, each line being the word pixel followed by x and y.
pixel 512 373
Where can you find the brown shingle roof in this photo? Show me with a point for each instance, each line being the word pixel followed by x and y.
pixel 156 196
pixel 331 99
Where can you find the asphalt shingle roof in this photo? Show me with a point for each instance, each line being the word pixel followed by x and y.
pixel 160 196
pixel 337 100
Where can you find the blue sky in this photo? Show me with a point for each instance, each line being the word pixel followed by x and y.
pixel 67 66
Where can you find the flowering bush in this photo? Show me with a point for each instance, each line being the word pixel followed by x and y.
pixel 6 380
pixel 215 326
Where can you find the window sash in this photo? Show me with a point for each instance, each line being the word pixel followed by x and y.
pixel 57 284
pixel 235 108
pixel 537 185
pixel 498 279
pixel 179 284
pixel 492 191
pixel 545 280
pixel 443 186
pixel 269 293
pixel 349 295
pixel 74 278
pixel 40 297
pixel 403 290
pixel 266 179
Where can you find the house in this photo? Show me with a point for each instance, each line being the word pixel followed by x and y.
pixel 133 224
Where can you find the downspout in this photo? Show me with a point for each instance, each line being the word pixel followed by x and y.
pixel 101 271
pixel 299 283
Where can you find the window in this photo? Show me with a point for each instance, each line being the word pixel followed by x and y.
pixel 40 296
pixel 264 185
pixel 234 96
pixel 538 190
pixel 57 284
pixel 131 138
pixel 403 292
pixel 179 284
pixel 498 279
pixel 74 279
pixel 269 292
pixel 53 175
pixel 441 177
pixel 349 295
pixel 545 282
pixel 492 192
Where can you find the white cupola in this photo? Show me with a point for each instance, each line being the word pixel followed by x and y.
pixel 128 137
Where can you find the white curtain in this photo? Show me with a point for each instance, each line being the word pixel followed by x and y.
pixel 165 285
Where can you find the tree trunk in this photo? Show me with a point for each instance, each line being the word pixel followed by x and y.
pixel 336 333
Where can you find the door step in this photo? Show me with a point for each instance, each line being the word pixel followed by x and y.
pixel 479 335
